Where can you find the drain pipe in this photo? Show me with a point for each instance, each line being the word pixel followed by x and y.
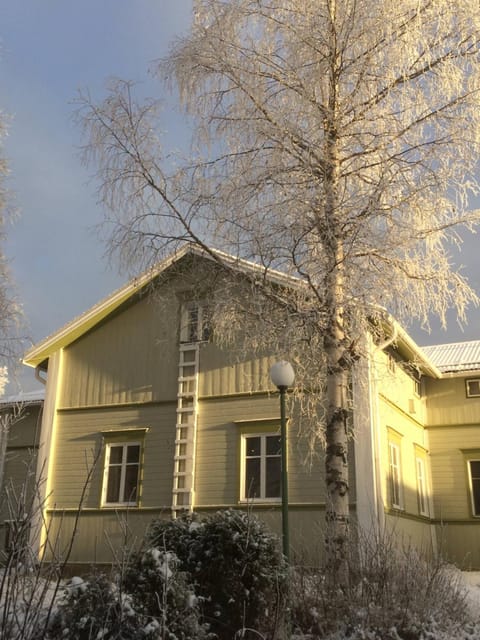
pixel 38 376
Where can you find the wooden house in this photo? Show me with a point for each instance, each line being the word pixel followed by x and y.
pixel 145 417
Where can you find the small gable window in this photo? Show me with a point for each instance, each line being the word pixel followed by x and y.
pixel 194 325
pixel 473 388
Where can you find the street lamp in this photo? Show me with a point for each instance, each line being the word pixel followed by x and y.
pixel 283 376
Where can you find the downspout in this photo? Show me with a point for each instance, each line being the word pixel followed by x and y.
pixel 376 439
pixel 38 376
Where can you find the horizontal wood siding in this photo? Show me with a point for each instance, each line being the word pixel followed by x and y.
pixel 221 422
pixel 454 424
pixel 449 470
pixel 131 357
pixel 399 387
pixel 18 483
pixel 79 440
pixel 401 415
pixel 25 431
pixel 459 544
pixel 101 536
pixel 405 532
pixel 410 435
pixel 447 403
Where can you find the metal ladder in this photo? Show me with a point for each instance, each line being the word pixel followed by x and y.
pixel 183 494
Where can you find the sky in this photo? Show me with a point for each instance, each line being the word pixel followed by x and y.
pixel 50 50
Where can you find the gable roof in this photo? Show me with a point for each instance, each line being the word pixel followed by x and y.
pixel 77 327
pixel 39 353
pixel 455 357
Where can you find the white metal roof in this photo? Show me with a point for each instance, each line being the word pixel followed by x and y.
pixel 455 357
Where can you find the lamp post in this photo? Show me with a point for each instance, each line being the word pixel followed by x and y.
pixel 283 376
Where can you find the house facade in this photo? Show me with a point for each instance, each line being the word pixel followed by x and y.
pixel 20 436
pixel 145 417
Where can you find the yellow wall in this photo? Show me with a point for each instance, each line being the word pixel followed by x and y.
pixel 132 357
pixel 401 416
pixel 454 432
pixel 79 440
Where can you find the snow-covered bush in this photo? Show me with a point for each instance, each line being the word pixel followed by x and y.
pixel 159 590
pixel 96 608
pixel 235 565
pixel 395 593
pixel 92 608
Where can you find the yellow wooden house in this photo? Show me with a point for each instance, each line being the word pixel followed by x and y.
pixel 145 417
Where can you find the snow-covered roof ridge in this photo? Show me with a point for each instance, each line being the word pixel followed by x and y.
pixel 455 356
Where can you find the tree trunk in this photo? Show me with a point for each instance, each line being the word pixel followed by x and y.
pixel 336 458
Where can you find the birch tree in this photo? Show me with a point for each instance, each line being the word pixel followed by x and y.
pixel 10 309
pixel 334 140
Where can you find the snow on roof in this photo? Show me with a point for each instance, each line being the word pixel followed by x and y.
pixel 24 397
pixel 455 357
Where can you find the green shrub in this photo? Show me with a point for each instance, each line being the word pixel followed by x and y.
pixel 234 563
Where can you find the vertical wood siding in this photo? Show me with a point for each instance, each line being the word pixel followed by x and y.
pixel 132 357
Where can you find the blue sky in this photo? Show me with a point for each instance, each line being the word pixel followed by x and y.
pixel 48 51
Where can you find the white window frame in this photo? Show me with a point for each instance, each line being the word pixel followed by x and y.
pixel 468 386
pixel 395 474
pixel 200 331
pixel 244 497
pixel 391 362
pixel 123 465
pixel 422 486
pixel 417 387
pixel 471 486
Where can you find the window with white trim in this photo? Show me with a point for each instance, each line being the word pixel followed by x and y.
pixel 261 467
pixel 422 493
pixel 122 473
pixel 473 388
pixel 194 325
pixel 474 478
pixel 395 475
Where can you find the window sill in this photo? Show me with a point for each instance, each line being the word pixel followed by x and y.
pixel 247 501
pixel 120 505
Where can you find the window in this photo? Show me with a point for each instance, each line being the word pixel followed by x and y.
pixel 122 473
pixel 474 477
pixel 391 363
pixel 194 326
pixel 422 494
pixel 417 387
pixel 395 476
pixel 473 388
pixel 261 467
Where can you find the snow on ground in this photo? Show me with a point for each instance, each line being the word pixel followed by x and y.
pixel 472 582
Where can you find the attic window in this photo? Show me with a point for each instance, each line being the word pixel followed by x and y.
pixel 473 388
pixel 194 326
